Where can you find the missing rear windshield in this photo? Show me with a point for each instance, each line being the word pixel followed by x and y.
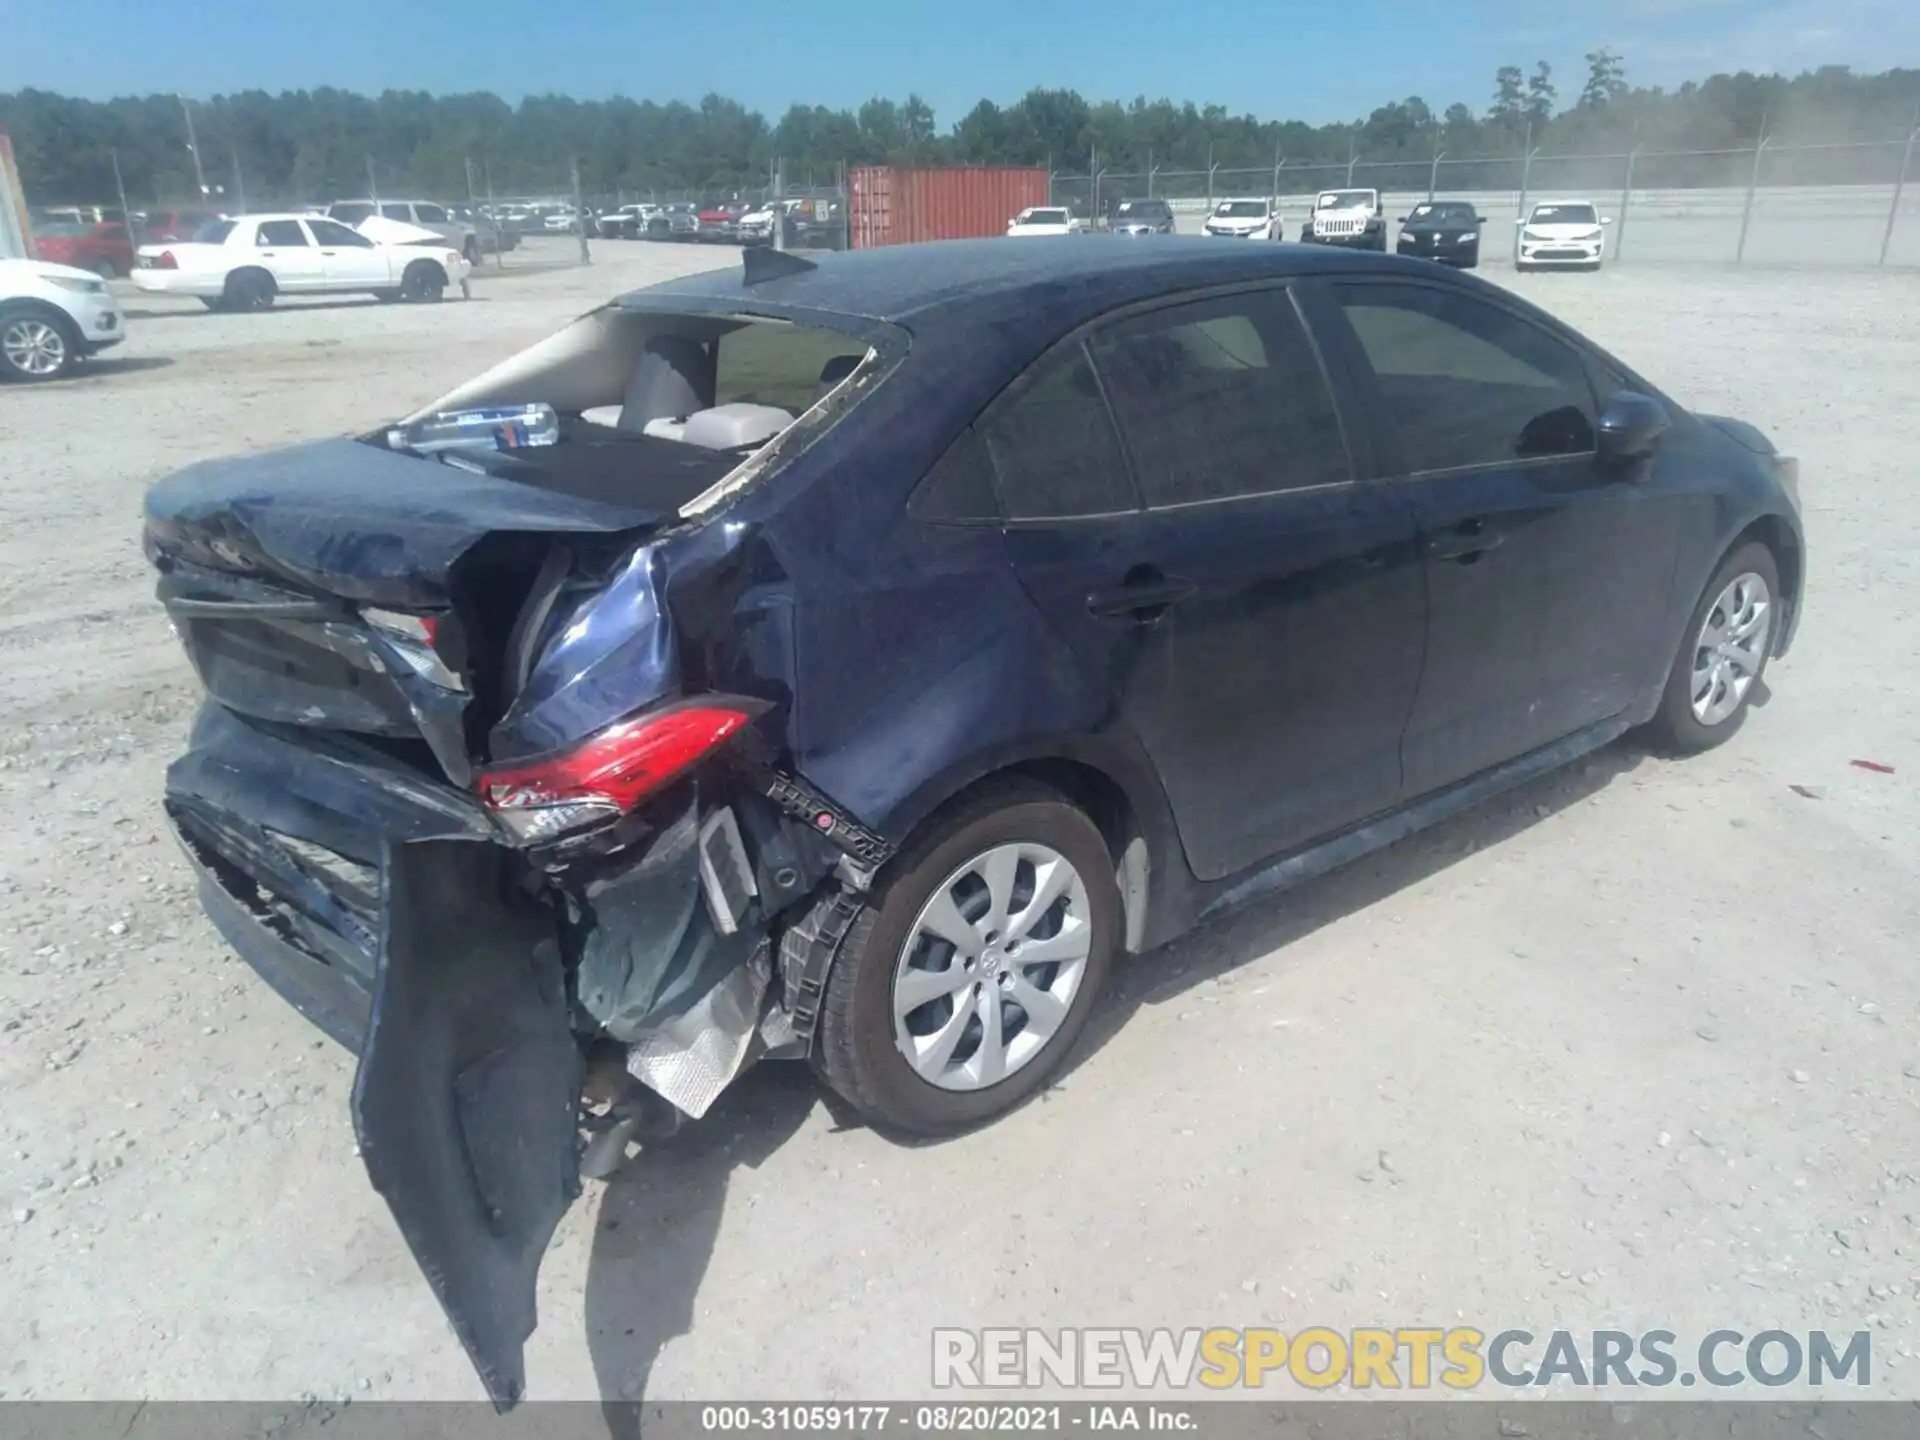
pixel 647 408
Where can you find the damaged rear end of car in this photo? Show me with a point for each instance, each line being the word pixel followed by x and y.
pixel 491 779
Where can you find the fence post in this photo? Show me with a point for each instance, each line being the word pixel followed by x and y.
pixel 779 206
pixel 373 186
pixel 580 211
pixel 1433 174
pixel 1210 169
pixel 126 215
pixel 1893 210
pixel 1626 199
pixel 1753 184
pixel 1278 165
pixel 493 214
pixel 1152 171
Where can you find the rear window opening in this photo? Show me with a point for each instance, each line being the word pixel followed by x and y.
pixel 658 409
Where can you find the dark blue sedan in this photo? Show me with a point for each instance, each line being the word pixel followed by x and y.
pixel 851 659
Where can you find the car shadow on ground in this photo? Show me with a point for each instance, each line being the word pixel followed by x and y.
pixel 1263 926
pixel 660 1216
pixel 658 1220
pixel 102 366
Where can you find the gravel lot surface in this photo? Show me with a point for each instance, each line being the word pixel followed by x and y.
pixel 1637 1046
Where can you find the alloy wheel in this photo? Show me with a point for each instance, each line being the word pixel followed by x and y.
pixel 991 966
pixel 1731 648
pixel 34 347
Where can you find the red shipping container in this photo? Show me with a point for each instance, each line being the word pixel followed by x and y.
pixel 896 205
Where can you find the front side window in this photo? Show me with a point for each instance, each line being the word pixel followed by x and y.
pixel 430 214
pixel 1053 448
pixel 330 232
pixel 351 212
pixel 394 210
pixel 1222 398
pixel 1468 383
pixel 284 234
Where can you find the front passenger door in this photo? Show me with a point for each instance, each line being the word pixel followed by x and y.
pixel 1547 573
pixel 352 261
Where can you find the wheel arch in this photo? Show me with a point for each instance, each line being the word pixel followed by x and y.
pixel 1115 789
pixel 414 267
pixel 1782 541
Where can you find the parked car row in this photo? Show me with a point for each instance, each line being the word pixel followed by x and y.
pixel 247 262
pixel 1556 233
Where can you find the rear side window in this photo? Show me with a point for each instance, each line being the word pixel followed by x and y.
pixel 351 212
pixel 282 233
pixel 1222 398
pixel 1468 383
pixel 1055 455
pixel 430 214
pixel 395 211
pixel 959 487
pixel 215 233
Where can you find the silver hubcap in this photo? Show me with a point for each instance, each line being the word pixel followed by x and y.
pixel 1731 648
pixel 991 966
pixel 34 347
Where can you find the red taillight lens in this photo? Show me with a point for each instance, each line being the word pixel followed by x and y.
pixel 166 261
pixel 608 774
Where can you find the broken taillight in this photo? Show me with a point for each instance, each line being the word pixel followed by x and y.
pixel 606 775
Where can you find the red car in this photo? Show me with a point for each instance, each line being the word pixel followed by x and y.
pixel 167 227
pixel 106 249
pixel 722 222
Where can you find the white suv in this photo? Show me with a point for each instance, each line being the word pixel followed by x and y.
pixel 1346 217
pixel 51 317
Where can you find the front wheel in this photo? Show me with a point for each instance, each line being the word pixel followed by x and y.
pixel 36 344
pixel 1723 654
pixel 423 283
pixel 972 968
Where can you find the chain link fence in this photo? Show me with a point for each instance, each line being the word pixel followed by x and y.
pixel 1841 204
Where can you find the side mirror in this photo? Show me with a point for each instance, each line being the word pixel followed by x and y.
pixel 1479 219
pixel 1405 218
pixel 1606 219
pixel 1631 425
pixel 1521 221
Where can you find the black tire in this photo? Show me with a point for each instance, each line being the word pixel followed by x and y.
pixel 214 302
pixel 248 290
pixel 423 283
pixel 854 1049
pixel 37 343
pixel 388 297
pixel 1674 726
pixel 472 252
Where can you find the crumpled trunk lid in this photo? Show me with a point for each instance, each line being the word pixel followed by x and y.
pixel 271 566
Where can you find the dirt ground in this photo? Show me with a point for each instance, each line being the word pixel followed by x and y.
pixel 1635 1047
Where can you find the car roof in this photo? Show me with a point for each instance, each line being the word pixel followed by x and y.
pixel 1070 279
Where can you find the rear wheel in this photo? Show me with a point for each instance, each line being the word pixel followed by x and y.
pixel 248 290
pixel 214 302
pixel 387 297
pixel 424 282
pixel 974 964
pixel 36 343
pixel 1723 654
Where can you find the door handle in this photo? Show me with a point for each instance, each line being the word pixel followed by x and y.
pixel 328 253
pixel 1466 542
pixel 1145 599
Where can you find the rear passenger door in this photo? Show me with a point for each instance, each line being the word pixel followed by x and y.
pixel 1547 573
pixel 281 246
pixel 1184 505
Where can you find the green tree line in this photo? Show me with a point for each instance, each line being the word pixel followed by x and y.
pixel 314 145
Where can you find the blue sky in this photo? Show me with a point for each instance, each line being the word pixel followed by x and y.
pixel 1318 60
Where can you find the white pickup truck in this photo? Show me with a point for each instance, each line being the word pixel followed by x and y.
pixel 1346 217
